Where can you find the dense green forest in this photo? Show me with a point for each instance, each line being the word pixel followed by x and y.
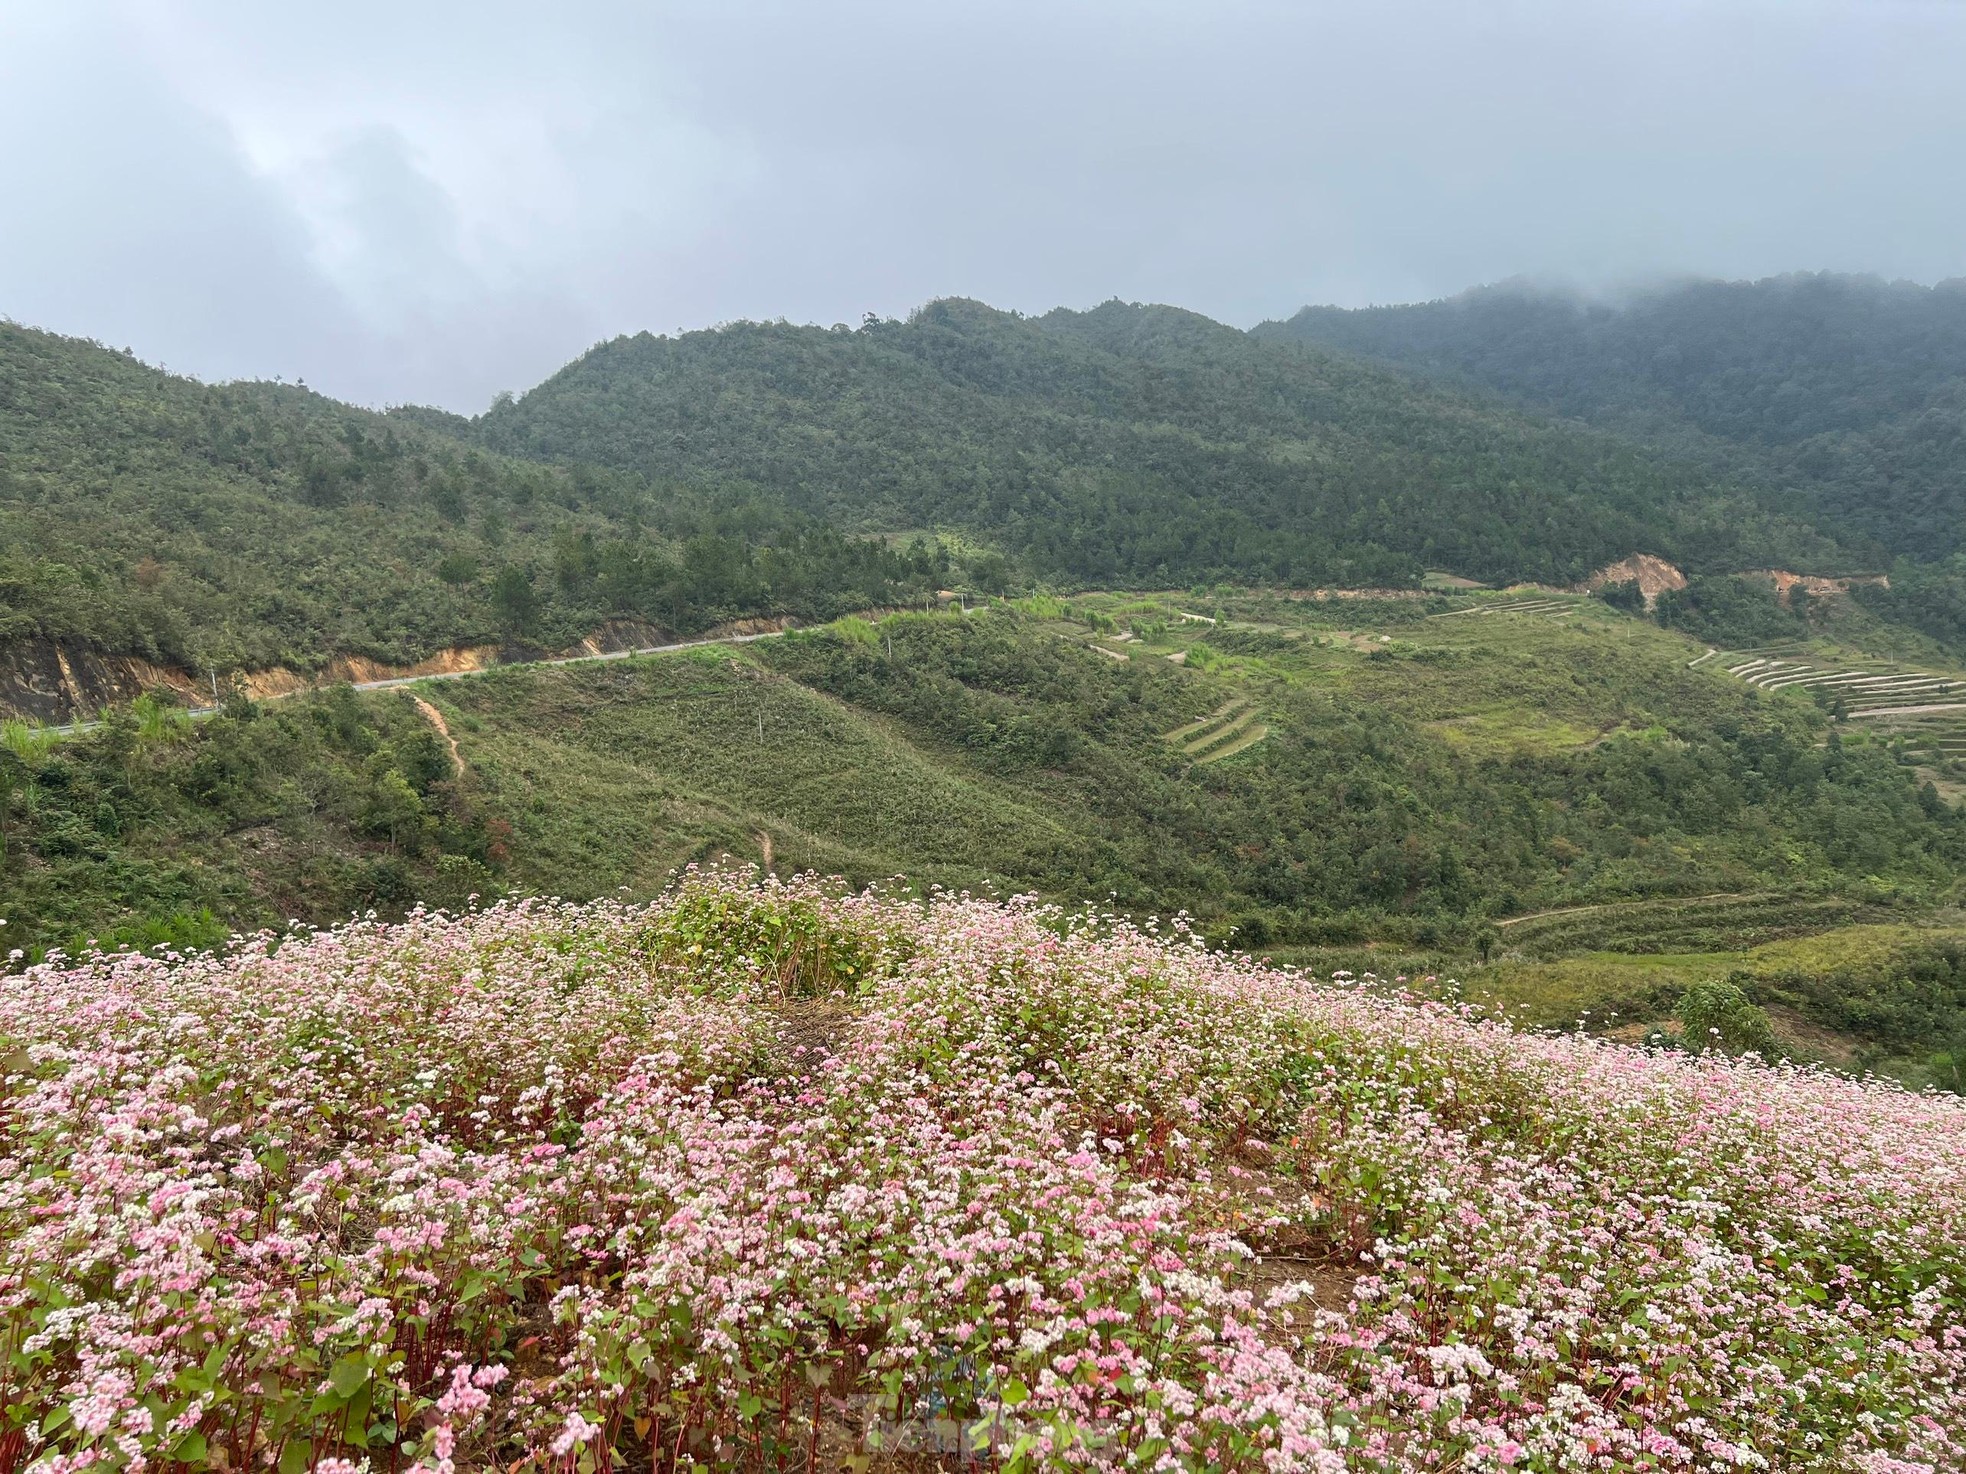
pixel 1848 394
pixel 763 469
pixel 253 525
pixel 1136 446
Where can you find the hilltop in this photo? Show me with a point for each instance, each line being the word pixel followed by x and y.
pixel 768 1177
pixel 1136 445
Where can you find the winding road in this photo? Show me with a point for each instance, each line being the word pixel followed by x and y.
pixel 199 712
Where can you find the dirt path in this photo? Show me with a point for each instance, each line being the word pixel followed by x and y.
pixel 199 713
pixel 436 719
pixel 1618 905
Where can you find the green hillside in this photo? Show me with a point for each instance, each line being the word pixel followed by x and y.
pixel 1345 775
pixel 1848 394
pixel 1134 445
pixel 253 525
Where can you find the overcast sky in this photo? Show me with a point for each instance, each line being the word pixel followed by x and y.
pixel 432 202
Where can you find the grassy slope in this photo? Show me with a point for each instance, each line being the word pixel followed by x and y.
pixel 613 776
pixel 1413 773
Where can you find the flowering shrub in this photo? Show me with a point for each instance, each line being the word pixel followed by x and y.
pixel 765 1177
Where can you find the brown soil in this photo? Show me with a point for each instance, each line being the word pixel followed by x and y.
pixel 811 1031
pixel 1814 584
pixel 1654 576
pixel 1266 1209
pixel 436 719
pixel 56 681
pixel 1809 1038
pixel 742 627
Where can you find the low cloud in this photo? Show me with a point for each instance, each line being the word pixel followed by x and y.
pixel 436 202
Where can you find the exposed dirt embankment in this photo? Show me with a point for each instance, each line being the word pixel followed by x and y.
pixel 1654 576
pixel 1814 584
pixel 358 669
pixel 56 682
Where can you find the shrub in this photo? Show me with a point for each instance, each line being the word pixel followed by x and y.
pixel 1719 1016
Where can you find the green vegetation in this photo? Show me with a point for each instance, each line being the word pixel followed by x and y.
pixel 256 525
pixel 1539 791
pixel 1881 995
pixel 1325 782
pixel 151 831
pixel 1134 445
pixel 1847 393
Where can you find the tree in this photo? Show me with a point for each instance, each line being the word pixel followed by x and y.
pixel 457 569
pixel 1627 596
pixel 514 600
pixel 391 807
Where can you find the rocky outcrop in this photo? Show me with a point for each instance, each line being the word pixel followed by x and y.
pixel 1654 576
pixel 53 681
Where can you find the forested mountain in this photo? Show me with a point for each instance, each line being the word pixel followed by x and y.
pixel 1848 391
pixel 1134 445
pixel 258 524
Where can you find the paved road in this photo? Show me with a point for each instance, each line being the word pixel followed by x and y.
pixel 200 712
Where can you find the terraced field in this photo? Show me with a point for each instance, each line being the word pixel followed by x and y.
pixel 1921 713
pixel 1231 728
pixel 1552 606
pixel 1866 688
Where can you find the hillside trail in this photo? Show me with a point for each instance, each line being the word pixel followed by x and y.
pixel 436 719
pixel 200 713
pixel 1612 905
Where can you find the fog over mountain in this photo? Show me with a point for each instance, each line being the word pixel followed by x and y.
pixel 436 202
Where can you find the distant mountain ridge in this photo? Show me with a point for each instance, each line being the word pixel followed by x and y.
pixel 762 469
pixel 1134 444
pixel 1848 391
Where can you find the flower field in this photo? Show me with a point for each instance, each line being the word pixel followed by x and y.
pixel 766 1177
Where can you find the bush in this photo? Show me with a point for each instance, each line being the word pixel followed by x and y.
pixel 1719 1016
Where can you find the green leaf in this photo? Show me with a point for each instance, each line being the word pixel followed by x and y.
pixel 349 1373
pixel 1015 1392
pixel 296 1456
pixel 190 1448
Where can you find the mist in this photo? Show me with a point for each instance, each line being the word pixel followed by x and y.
pixel 439 202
